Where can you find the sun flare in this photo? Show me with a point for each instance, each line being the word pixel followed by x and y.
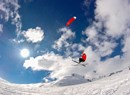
pixel 24 53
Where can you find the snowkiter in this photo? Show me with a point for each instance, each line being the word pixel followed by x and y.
pixel 83 57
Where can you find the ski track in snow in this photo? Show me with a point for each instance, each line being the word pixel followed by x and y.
pixel 118 84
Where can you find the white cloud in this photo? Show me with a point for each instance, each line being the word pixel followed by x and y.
pixel 1 28
pixel 112 22
pixel 74 50
pixel 34 35
pixel 42 62
pixel 114 14
pixel 102 43
pixel 9 10
pixel 126 44
pixel 78 47
pixel 105 48
pixel 91 32
pixel 126 49
pixel 58 64
pixel 111 65
pixel 113 17
pixel 92 56
pixel 63 41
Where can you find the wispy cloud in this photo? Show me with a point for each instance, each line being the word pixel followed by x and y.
pixel 9 11
pixel 64 40
pixel 34 35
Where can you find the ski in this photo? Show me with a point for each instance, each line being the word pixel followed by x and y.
pixel 77 63
pixel 80 65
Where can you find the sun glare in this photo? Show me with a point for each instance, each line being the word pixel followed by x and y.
pixel 24 53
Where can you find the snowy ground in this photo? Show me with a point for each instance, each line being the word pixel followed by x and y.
pixel 118 84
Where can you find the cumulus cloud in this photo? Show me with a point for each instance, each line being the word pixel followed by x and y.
pixel 114 14
pixel 102 43
pixel 112 22
pixel 48 61
pixel 126 44
pixel 9 11
pixel 91 32
pixel 64 40
pixel 58 64
pixel 34 35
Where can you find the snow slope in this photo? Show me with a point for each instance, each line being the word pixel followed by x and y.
pixel 116 84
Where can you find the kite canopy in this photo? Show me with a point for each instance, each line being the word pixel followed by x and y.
pixel 71 20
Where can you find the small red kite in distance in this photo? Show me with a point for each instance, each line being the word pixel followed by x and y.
pixel 71 20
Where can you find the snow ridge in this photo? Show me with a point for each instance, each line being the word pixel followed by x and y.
pixel 117 83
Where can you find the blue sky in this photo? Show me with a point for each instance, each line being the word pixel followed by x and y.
pixel 39 26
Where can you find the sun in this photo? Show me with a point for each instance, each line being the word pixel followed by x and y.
pixel 24 53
